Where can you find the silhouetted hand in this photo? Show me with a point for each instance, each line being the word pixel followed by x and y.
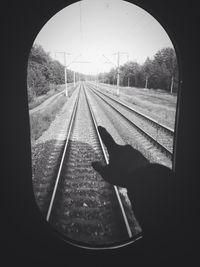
pixel 152 189
pixel 123 160
pixel 150 186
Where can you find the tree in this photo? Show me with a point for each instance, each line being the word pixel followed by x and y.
pixel 166 66
pixel 147 71
pixel 43 71
pixel 160 72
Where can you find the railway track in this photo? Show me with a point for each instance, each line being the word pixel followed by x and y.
pixel 127 133
pixel 160 135
pixel 83 207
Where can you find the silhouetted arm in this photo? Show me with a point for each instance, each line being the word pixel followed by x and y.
pixel 151 187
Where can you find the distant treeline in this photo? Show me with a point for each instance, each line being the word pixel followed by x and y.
pixel 44 73
pixel 161 72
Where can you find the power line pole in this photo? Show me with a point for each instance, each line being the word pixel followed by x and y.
pixel 66 66
pixel 146 82
pixel 74 78
pixel 74 61
pixel 118 55
pixel 118 68
pixel 65 70
pixel 172 84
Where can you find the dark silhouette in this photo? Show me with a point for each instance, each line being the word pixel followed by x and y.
pixel 153 192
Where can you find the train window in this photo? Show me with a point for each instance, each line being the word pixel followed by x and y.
pixel 98 63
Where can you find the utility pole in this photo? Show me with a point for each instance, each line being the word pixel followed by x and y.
pixel 66 92
pixel 118 65
pixel 74 78
pixel 66 66
pixel 146 81
pixel 118 73
pixel 74 61
pixel 65 70
pixel 172 84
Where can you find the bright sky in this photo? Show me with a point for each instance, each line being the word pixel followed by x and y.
pixel 93 28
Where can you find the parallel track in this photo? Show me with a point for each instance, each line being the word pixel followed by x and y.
pixel 166 142
pixel 83 206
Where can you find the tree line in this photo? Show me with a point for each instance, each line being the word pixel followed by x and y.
pixel 44 73
pixel 160 72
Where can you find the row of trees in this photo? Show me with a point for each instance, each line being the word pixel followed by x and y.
pixel 44 72
pixel 161 72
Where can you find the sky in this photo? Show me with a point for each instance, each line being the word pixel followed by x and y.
pixel 94 31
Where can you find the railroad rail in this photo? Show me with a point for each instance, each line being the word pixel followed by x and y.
pixel 83 206
pixel 166 143
pixel 157 124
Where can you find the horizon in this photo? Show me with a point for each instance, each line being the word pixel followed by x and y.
pixel 94 28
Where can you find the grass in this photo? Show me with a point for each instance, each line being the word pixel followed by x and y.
pixel 40 99
pixel 157 104
pixel 40 121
